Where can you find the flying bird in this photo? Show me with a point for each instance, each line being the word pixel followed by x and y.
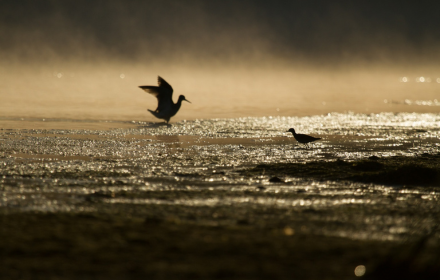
pixel 302 138
pixel 166 108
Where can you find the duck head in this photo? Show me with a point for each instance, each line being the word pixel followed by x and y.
pixel 291 130
pixel 182 98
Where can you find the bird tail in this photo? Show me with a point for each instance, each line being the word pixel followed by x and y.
pixel 152 112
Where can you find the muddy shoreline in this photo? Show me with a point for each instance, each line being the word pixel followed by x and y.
pixel 422 170
pixel 93 246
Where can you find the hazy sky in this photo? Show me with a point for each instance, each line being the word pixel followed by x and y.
pixel 220 30
pixel 231 58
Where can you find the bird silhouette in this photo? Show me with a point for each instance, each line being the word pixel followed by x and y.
pixel 166 108
pixel 303 138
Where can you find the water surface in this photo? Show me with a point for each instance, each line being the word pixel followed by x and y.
pixel 195 165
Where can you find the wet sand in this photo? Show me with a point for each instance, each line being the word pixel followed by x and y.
pixel 224 198
pixel 94 246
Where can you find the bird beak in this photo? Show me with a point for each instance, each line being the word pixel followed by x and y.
pixel 187 100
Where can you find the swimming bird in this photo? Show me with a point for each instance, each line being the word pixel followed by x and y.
pixel 166 108
pixel 302 138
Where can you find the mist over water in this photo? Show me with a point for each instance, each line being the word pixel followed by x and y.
pixel 81 60
pixel 111 92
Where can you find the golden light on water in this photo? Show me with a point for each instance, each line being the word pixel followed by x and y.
pixel 360 270
pixel 289 231
pixel 404 79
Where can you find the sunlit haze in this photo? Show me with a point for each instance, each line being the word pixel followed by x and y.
pixel 80 61
pixel 110 92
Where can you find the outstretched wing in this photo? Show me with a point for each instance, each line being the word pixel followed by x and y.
pixel 163 93
pixel 165 86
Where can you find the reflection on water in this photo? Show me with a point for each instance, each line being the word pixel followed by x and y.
pixel 172 141
pixel 195 165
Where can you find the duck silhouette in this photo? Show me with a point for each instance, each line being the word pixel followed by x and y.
pixel 303 138
pixel 166 108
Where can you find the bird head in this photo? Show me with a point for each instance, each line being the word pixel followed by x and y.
pixel 182 98
pixel 291 130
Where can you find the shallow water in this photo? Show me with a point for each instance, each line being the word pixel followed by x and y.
pixel 192 171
